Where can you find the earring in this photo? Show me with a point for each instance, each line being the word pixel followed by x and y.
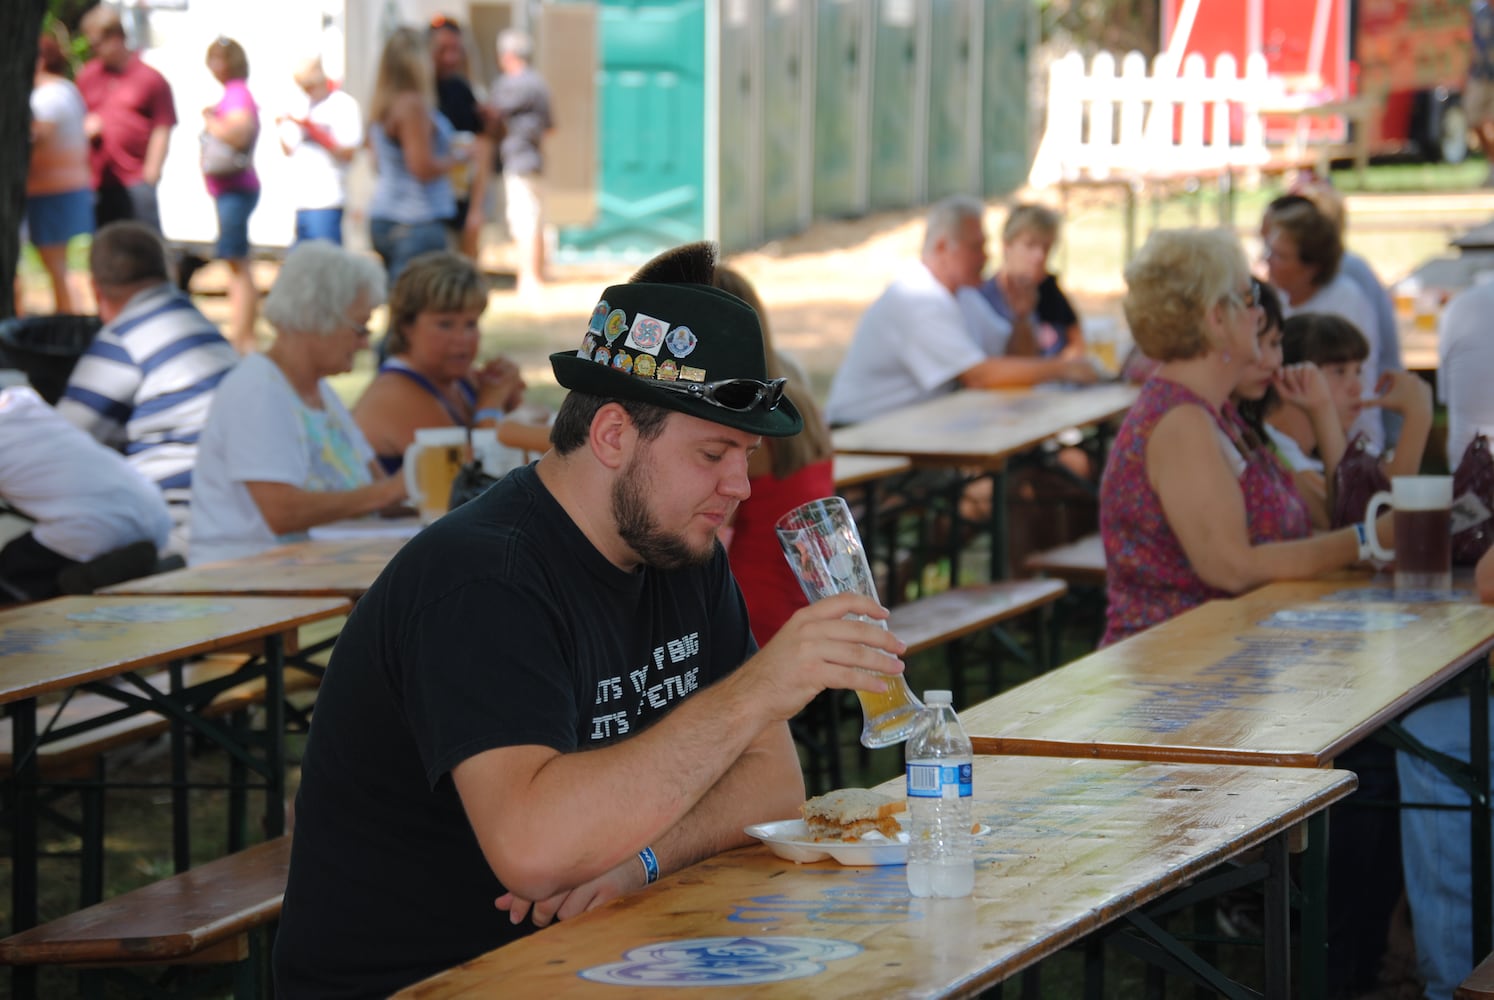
pixel 1228 358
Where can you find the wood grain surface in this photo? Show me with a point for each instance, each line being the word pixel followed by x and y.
pixel 854 470
pixel 1073 845
pixel 66 641
pixel 984 427
pixel 319 567
pixel 1292 674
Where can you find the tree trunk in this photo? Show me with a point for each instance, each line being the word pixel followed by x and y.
pixel 20 25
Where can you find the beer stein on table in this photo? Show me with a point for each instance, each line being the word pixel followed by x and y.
pixel 824 551
pixel 431 465
pixel 1422 517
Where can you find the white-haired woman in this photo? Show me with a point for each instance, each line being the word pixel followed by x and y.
pixel 280 453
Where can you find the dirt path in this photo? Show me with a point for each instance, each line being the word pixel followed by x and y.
pixel 817 283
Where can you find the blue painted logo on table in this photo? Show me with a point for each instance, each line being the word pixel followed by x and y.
pixel 1371 595
pixel 1338 620
pixel 722 961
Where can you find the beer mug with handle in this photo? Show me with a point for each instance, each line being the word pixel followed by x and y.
pixel 431 465
pixel 1422 507
pixel 824 551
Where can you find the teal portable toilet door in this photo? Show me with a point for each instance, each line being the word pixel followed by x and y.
pixel 786 116
pixel 953 137
pixel 895 145
pixel 840 107
pixel 650 132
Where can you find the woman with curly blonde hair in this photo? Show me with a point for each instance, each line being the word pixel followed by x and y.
pixel 1189 511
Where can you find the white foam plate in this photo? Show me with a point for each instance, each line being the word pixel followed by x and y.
pixel 790 840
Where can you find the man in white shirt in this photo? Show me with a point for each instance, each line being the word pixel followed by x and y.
pixel 912 344
pixel 1465 368
pixel 84 498
pixel 320 137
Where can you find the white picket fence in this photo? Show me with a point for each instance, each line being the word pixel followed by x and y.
pixel 1138 127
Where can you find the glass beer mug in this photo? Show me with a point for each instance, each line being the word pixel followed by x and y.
pixel 824 551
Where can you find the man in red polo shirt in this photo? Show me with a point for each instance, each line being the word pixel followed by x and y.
pixel 130 116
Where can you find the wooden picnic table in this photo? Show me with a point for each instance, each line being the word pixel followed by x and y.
pixel 1074 845
pixel 84 641
pixel 978 432
pixel 859 470
pixel 342 567
pixel 1292 674
pixel 1262 679
pixel 984 427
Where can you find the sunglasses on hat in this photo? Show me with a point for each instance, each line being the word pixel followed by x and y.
pixel 739 394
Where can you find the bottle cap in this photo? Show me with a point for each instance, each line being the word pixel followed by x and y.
pixel 938 697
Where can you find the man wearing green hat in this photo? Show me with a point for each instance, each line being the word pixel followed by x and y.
pixel 581 604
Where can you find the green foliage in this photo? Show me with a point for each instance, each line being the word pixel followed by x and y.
pixel 1109 25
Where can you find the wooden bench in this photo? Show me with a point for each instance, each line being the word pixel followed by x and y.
pixel 925 624
pixel 207 916
pixel 1480 983
pixel 80 756
pixel 1080 563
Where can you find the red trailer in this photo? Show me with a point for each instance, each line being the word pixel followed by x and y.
pixel 1409 58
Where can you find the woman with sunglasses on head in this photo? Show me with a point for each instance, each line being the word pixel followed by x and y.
pixel 1183 513
pixel 431 377
pixel 783 473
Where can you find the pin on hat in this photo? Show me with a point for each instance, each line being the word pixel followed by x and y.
pixel 691 348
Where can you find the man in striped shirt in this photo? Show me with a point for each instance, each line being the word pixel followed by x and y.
pixel 146 383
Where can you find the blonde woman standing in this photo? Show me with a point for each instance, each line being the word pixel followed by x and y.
pixel 411 141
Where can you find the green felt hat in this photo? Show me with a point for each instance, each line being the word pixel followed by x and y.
pixel 643 334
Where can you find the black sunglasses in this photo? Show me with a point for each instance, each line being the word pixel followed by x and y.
pixel 738 394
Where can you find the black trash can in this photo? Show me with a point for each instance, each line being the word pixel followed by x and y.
pixel 46 348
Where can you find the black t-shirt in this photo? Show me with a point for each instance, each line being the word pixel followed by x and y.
pixel 499 625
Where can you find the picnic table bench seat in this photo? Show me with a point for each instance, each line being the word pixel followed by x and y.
pixel 923 624
pixel 80 757
pixel 206 916
pixel 1080 562
pixel 77 755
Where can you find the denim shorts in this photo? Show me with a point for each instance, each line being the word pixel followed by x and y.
pixel 400 242
pixel 56 218
pixel 234 209
pixel 319 224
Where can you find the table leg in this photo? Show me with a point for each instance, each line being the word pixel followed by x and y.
pixel 25 773
pixel 1314 957
pixel 1483 868
pixel 999 523
pixel 1278 919
pixel 181 843
pixel 275 735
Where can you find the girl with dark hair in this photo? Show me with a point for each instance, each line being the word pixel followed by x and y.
pixel 1313 446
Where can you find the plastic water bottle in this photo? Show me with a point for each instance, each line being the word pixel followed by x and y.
pixel 941 848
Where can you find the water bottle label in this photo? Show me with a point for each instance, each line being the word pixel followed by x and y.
pixel 924 781
pixel 935 781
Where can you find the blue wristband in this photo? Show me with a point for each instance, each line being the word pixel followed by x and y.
pixel 650 866
pixel 487 413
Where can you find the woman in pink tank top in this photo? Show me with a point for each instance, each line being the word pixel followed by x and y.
pixel 1190 510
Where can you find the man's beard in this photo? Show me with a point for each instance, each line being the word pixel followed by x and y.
pixel 636 525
